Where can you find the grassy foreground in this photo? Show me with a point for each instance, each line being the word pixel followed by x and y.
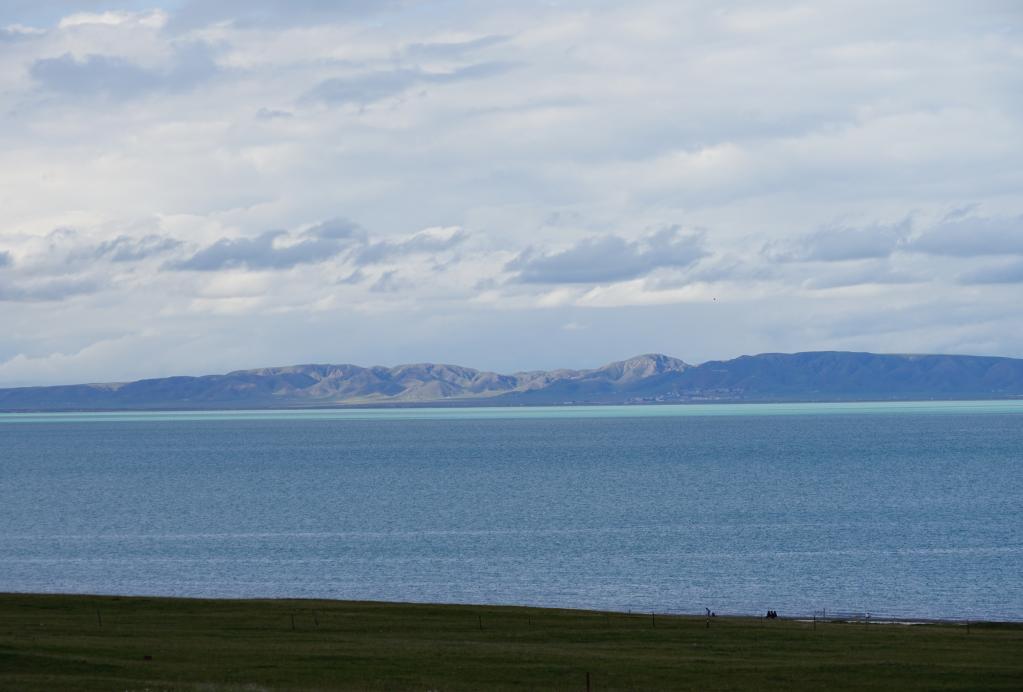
pixel 110 643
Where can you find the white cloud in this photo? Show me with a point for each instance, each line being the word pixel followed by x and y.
pixel 155 19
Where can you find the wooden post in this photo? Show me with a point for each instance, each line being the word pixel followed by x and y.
pixel 587 681
pixel 480 619
pixel 316 619
pixel 99 618
pixel 653 620
pixel 292 622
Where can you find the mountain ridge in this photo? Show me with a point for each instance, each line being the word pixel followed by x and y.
pixel 647 378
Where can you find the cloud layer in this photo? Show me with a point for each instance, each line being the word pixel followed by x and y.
pixel 608 258
pixel 117 77
pixel 234 184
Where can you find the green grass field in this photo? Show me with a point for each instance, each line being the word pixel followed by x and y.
pixel 110 643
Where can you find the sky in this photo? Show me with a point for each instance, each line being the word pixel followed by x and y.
pixel 192 187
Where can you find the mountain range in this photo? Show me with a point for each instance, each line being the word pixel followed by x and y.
pixel 651 378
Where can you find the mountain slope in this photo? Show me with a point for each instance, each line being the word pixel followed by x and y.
pixel 842 375
pixel 813 376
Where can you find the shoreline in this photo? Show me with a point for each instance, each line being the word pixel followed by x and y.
pixel 567 410
pixel 483 403
pixel 828 616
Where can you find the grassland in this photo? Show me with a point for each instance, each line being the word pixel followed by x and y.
pixel 110 643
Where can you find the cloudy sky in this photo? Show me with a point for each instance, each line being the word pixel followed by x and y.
pixel 191 187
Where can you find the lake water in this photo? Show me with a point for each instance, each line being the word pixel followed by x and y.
pixel 900 509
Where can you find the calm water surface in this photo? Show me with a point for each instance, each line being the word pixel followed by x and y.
pixel 900 509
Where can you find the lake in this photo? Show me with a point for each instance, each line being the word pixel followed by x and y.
pixel 902 509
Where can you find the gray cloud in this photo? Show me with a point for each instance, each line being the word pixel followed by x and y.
pixel 272 249
pixel 718 268
pixel 418 243
pixel 115 77
pixel 866 273
pixel 195 13
pixel 356 277
pixel 8 35
pixel 1010 273
pixel 958 235
pixel 453 49
pixel 273 114
pixel 843 243
pixel 972 236
pixel 5 258
pixel 609 258
pixel 67 250
pixel 35 12
pixel 389 282
pixel 337 229
pixel 375 86
pixel 316 244
pixel 47 290
pixel 126 249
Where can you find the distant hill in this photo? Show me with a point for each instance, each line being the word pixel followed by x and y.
pixel 651 378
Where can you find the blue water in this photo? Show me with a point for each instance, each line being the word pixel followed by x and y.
pixel 911 510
